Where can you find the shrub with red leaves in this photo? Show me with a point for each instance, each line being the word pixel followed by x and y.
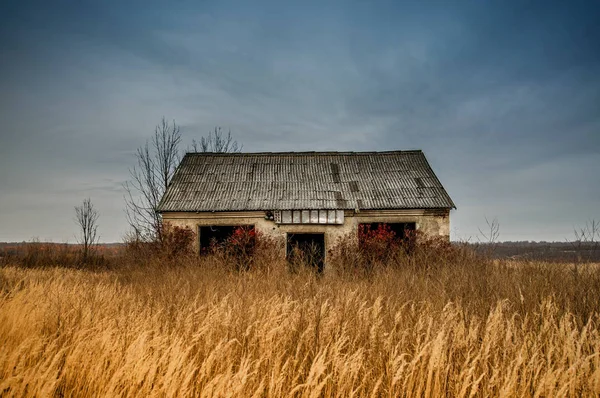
pixel 381 247
pixel 377 241
pixel 242 242
pixel 247 249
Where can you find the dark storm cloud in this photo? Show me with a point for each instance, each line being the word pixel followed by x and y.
pixel 502 96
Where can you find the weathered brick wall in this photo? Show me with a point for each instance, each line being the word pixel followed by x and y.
pixel 431 222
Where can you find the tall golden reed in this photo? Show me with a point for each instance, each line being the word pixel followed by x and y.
pixel 196 330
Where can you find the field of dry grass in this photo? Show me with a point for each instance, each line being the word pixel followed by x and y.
pixel 459 329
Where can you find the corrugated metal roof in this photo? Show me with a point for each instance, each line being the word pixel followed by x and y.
pixel 304 180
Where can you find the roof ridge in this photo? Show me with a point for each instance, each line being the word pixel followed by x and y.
pixel 317 153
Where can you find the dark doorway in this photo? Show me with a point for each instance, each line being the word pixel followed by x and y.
pixel 213 235
pixel 306 249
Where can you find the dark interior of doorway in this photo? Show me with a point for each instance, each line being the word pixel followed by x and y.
pixel 308 249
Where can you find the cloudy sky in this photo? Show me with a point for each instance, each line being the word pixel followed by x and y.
pixel 503 97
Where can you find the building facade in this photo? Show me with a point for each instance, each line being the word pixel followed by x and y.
pixel 305 197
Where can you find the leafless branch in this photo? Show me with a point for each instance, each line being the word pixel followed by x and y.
pixel 149 179
pixel 590 233
pixel 492 233
pixel 587 239
pixel 216 142
pixel 86 217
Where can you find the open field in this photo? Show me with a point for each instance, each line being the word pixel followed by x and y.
pixel 534 251
pixel 468 327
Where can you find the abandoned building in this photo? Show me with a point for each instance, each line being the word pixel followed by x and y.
pixel 305 197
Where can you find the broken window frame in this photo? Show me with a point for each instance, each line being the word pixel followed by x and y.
pixel 400 233
pixel 205 249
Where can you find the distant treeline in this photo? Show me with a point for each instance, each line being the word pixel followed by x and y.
pixel 541 251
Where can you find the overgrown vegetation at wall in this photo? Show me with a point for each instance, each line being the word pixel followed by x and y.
pixel 439 321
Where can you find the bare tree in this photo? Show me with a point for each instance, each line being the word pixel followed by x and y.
pixel 491 236
pixel 590 233
pixel 587 239
pixel 217 142
pixel 86 217
pixel 156 163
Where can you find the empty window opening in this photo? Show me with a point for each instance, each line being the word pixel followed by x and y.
pixel 307 249
pixel 390 232
pixel 213 236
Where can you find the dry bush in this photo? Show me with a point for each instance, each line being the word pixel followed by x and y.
pixel 37 254
pixel 198 329
pixel 380 248
pixel 246 249
pixel 175 244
